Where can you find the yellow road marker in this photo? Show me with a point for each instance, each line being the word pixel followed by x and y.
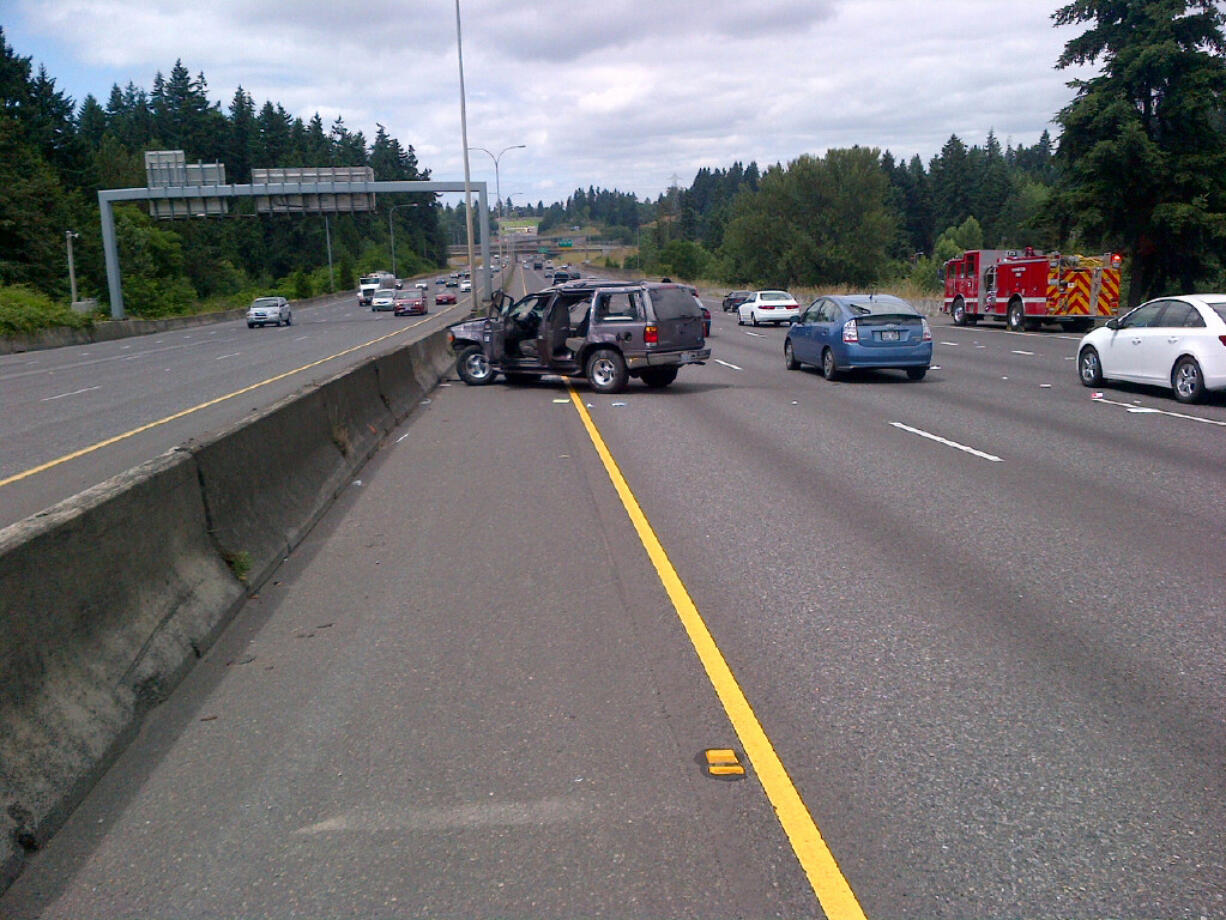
pixel 832 890
pixel 51 464
pixel 723 762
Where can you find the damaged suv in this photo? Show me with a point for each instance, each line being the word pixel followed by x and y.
pixel 606 331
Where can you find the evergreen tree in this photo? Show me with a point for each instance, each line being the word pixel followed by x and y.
pixel 1143 148
pixel 243 134
pixel 91 122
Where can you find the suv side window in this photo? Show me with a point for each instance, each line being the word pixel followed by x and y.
pixel 619 307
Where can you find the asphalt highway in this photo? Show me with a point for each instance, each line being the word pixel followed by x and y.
pixel 76 416
pixel 978 617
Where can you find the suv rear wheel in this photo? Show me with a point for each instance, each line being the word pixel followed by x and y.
pixel 659 376
pixel 607 371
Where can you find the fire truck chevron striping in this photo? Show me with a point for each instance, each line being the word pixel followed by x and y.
pixel 1029 288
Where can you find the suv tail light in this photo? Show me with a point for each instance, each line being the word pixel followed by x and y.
pixel 851 332
pixel 651 335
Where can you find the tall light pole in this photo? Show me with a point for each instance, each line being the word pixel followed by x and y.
pixel 468 192
pixel 391 229
pixel 69 236
pixel 498 179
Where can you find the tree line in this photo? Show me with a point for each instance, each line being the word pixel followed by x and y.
pixel 55 156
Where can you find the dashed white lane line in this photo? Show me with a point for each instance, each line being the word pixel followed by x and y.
pixel 726 364
pixel 1018 351
pixel 1147 410
pixel 73 393
pixel 756 335
pixel 223 357
pixel 948 443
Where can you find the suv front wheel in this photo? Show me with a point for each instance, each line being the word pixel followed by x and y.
pixel 606 370
pixel 473 366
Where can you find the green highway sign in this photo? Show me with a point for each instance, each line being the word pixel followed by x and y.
pixel 565 243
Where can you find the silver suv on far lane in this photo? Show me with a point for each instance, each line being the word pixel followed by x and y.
pixel 606 331
pixel 265 310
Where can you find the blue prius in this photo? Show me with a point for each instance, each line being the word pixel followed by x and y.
pixel 842 332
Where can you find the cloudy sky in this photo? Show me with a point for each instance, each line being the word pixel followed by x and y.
pixel 619 94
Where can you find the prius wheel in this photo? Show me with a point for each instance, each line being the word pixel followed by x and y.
pixel 1188 381
pixel 830 370
pixel 1089 368
pixel 789 359
pixel 916 373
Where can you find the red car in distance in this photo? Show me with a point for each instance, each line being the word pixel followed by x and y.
pixel 409 303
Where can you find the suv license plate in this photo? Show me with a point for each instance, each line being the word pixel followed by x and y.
pixel 889 335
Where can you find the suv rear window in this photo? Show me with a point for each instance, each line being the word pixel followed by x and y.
pixel 674 303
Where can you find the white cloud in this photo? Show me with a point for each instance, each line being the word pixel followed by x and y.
pixel 619 94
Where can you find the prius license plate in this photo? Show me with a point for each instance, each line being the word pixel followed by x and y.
pixel 889 335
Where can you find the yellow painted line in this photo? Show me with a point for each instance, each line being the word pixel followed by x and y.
pixel 831 888
pixel 51 464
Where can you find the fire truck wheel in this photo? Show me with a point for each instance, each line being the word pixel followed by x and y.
pixel 830 370
pixel 1017 316
pixel 958 313
pixel 1188 381
pixel 1089 368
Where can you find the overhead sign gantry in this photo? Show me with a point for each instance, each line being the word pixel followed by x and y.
pixel 192 197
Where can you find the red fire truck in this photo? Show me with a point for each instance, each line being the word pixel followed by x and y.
pixel 1024 289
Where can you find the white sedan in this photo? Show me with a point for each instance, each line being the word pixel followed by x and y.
pixel 768 307
pixel 465 286
pixel 1176 342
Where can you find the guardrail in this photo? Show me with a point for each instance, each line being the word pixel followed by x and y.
pixel 111 596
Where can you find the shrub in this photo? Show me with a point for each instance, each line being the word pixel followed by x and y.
pixel 25 310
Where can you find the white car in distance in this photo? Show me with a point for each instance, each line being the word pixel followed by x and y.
pixel 776 307
pixel 1177 342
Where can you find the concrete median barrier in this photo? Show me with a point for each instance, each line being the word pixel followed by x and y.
pixel 267 480
pixel 108 599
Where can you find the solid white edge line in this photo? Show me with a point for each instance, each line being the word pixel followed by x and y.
pixel 1152 411
pixel 948 443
